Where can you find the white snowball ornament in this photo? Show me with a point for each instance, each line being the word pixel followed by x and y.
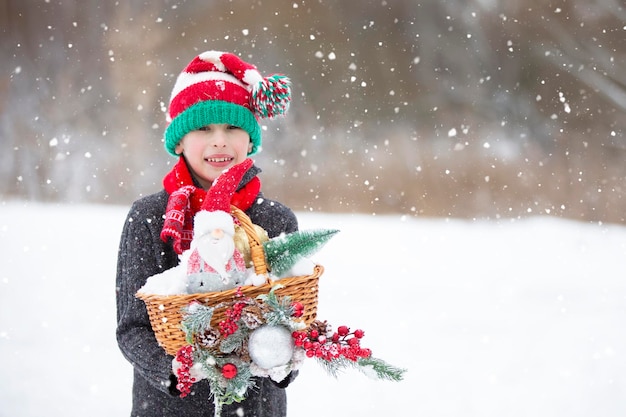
pixel 271 346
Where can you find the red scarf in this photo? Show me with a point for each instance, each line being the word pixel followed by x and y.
pixel 186 200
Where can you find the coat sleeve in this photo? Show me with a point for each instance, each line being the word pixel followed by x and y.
pixel 274 217
pixel 140 257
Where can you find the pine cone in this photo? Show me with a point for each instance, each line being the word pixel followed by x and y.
pixel 209 339
pixel 252 316
pixel 243 353
pixel 322 327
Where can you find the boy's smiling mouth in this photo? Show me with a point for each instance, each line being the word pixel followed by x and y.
pixel 220 159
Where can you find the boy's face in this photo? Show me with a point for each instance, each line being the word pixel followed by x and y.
pixel 212 149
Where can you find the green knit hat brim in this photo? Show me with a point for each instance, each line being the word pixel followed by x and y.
pixel 209 112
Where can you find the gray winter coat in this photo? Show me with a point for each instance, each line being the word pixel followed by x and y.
pixel 142 254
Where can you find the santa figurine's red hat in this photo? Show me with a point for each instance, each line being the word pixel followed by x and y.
pixel 215 211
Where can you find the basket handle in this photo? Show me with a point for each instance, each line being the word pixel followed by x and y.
pixel 257 254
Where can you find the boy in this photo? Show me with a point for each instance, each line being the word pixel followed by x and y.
pixel 213 113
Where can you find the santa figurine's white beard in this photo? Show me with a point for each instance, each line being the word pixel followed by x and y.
pixel 216 252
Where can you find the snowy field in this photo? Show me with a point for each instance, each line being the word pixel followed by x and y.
pixel 491 319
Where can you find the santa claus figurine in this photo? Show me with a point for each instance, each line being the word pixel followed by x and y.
pixel 213 263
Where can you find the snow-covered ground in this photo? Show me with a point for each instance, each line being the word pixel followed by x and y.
pixel 491 319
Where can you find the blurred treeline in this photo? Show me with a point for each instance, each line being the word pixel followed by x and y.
pixel 465 108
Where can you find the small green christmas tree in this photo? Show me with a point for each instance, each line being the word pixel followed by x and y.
pixel 284 251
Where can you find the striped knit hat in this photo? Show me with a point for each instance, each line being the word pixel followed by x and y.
pixel 218 87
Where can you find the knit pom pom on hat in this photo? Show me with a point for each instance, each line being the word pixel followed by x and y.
pixel 219 87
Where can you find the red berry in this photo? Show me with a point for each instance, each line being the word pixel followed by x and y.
pixel 298 309
pixel 343 330
pixel 359 333
pixel 229 371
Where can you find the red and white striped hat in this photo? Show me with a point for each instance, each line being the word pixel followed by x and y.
pixel 218 87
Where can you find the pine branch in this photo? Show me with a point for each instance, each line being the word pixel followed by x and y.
pixel 285 251
pixel 372 367
pixel 237 387
pixel 335 366
pixel 280 308
pixel 234 341
pixel 380 368
pixel 196 319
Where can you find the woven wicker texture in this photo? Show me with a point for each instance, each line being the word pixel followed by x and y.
pixel 165 310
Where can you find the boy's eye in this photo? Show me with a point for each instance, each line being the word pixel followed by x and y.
pixel 208 128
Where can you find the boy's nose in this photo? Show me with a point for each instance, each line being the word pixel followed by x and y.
pixel 219 138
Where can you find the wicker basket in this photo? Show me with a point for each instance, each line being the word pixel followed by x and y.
pixel 165 311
